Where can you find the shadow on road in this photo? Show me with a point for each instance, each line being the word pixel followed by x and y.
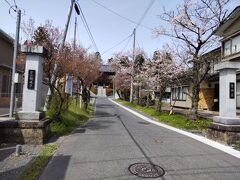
pixel 11 174
pixel 96 124
pixel 105 106
pixel 104 114
pixel 57 168
pixel 6 152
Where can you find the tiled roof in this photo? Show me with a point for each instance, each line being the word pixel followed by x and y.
pixel 107 68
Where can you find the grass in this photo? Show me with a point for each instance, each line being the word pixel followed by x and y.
pixel 176 120
pixel 33 170
pixel 237 147
pixel 72 118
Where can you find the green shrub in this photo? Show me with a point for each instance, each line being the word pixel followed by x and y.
pixel 70 119
pixel 54 107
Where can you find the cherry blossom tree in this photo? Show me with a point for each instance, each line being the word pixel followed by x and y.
pixel 69 60
pixel 127 69
pixel 86 68
pixel 193 24
pixel 123 68
pixel 160 73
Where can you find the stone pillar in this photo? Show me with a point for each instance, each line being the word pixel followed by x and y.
pixel 32 83
pixel 226 127
pixel 227 94
pixel 227 105
pixel 31 126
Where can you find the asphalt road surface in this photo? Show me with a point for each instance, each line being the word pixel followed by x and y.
pixel 114 139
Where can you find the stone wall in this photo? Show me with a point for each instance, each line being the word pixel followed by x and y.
pixel 228 134
pixel 25 132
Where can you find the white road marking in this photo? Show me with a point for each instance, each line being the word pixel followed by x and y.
pixel 219 146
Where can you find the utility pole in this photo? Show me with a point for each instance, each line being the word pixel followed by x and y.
pixel 75 32
pixel 133 60
pixel 61 48
pixel 12 99
pixel 74 47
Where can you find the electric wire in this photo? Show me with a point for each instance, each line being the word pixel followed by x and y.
pixel 89 35
pixel 123 49
pixel 87 28
pixel 120 42
pixel 138 44
pixel 8 3
pixel 123 17
pixel 145 13
pixel 15 3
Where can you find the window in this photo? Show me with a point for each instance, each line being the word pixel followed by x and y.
pixel 5 86
pixel 179 93
pixel 185 91
pixel 236 44
pixel 227 46
pixel 232 46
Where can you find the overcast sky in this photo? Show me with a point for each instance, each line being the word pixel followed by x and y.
pixel 107 28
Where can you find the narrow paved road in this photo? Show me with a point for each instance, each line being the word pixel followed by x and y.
pixel 114 139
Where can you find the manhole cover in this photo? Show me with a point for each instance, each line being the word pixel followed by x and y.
pixel 146 170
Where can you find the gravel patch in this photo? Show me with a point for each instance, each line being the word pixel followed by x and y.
pixel 12 166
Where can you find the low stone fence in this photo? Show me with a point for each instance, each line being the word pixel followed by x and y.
pixel 25 132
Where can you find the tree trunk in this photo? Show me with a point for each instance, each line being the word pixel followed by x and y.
pixel 159 105
pixel 85 106
pixel 85 97
pixel 195 100
pixel 159 102
pixel 195 90
pixel 119 95
pixel 138 94
pixel 147 103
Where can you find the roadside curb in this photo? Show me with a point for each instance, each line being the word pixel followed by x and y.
pixel 214 144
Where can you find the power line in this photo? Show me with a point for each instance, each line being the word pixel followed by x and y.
pixel 8 3
pixel 123 17
pixel 138 44
pixel 89 33
pixel 145 13
pixel 117 44
pixel 15 3
pixel 87 28
pixel 123 49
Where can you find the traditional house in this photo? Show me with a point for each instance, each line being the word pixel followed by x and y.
pixel 104 85
pixel 229 51
pixel 6 57
pixel 225 127
pixel 209 88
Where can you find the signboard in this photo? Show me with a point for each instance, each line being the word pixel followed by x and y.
pixel 31 79
pixel 232 90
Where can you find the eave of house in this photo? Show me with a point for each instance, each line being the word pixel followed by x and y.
pixel 9 68
pixel 228 22
pixel 107 69
pixel 6 37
